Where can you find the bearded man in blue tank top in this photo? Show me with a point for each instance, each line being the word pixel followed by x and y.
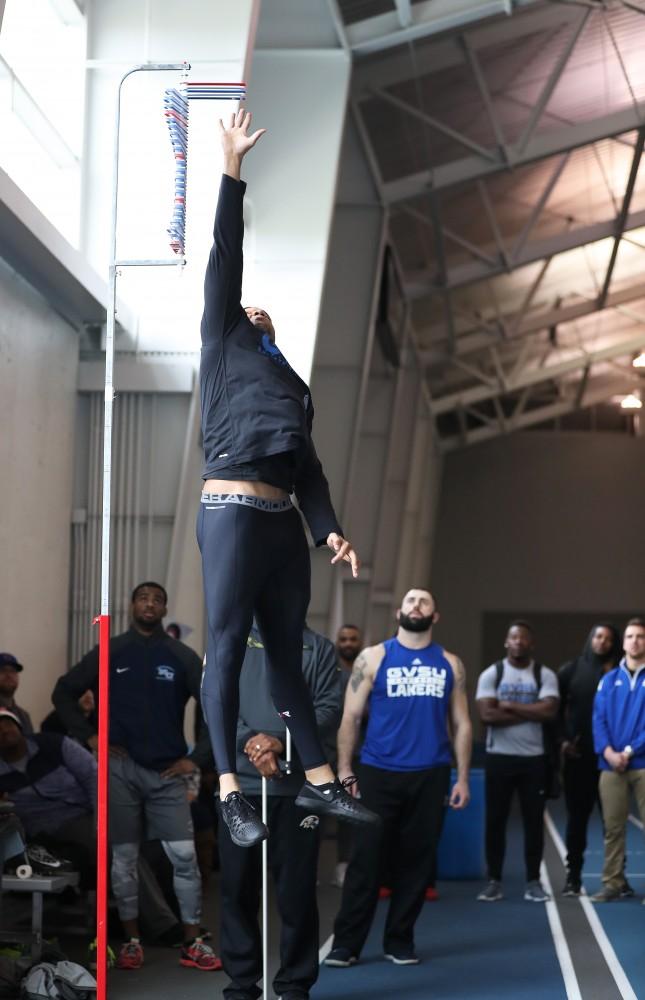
pixel 416 690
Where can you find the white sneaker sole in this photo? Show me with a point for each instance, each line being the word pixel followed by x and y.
pixel 336 963
pixel 402 961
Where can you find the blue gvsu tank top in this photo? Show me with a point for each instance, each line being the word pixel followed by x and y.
pixel 407 728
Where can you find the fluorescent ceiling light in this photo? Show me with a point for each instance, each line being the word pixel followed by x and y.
pixel 631 402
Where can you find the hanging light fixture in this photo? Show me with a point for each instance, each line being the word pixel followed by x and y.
pixel 631 402
pixel 639 362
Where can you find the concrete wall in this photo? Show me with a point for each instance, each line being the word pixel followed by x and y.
pixel 38 371
pixel 544 525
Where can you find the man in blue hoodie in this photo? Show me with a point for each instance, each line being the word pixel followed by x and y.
pixel 619 740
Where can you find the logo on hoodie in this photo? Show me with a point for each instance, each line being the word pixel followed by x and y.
pixel 269 349
pixel 165 673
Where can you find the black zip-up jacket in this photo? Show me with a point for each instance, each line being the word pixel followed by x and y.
pixel 258 715
pixel 253 403
pixel 151 679
pixel 578 680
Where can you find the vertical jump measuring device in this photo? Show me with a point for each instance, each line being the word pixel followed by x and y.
pixel 176 100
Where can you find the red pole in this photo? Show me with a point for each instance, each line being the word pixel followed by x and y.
pixel 102 808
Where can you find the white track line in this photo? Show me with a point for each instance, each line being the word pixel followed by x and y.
pixel 325 948
pixel 571 984
pixel 598 931
pixel 636 821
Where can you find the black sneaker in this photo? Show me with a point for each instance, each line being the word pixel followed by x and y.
pixel 340 958
pixel 331 799
pixel 43 862
pixel 626 891
pixel 244 825
pixel 572 886
pixel 402 956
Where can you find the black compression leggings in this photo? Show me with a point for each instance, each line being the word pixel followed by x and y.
pixel 255 562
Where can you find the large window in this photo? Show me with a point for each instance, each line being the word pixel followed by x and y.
pixel 42 83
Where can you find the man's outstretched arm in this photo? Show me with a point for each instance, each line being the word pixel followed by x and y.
pixel 223 280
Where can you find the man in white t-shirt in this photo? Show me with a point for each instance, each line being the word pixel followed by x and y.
pixel 515 697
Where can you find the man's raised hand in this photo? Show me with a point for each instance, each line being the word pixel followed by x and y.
pixel 235 138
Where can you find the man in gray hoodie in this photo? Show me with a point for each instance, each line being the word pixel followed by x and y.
pixel 294 836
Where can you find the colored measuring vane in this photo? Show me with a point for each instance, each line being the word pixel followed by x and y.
pixel 176 103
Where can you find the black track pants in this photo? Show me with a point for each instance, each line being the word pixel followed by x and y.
pixel 255 561
pixel 505 775
pixel 411 806
pixel 580 780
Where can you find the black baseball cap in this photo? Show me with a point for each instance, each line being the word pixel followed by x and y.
pixel 9 660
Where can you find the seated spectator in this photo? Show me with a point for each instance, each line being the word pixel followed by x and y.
pixel 53 723
pixel 52 782
pixel 619 739
pixel 152 677
pixel 9 680
pixel 294 836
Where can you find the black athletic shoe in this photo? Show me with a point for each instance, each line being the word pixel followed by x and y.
pixel 43 862
pixel 332 799
pixel 626 891
pixel 572 886
pixel 340 958
pixel 244 825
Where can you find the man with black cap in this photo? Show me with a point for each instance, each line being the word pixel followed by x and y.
pixel 51 781
pixel 9 670
pixel 578 681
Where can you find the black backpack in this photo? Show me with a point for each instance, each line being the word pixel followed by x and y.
pixel 553 785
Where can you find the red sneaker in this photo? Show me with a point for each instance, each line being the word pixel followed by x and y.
pixel 130 955
pixel 198 955
pixel 431 894
pixel 384 892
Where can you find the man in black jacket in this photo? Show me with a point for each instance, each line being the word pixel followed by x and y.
pixel 578 680
pixel 294 840
pixel 257 418
pixel 152 676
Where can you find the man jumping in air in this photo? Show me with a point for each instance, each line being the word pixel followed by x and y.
pixel 257 417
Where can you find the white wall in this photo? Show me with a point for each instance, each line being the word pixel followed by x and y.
pixel 38 370
pixel 300 98
pixel 215 37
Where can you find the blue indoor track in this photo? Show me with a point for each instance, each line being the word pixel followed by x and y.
pixel 488 951
pixel 624 921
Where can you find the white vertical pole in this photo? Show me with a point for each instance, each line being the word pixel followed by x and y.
pixel 265 898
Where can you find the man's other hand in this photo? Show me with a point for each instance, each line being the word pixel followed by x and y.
pixel 344 551
pixel 267 764
pixel 460 795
